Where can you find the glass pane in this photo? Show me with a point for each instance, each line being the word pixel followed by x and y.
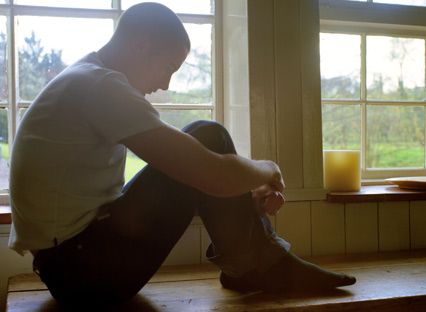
pixel 47 44
pixel 340 66
pixel 192 83
pixel 395 68
pixel 181 118
pixel 92 4
pixel 3 59
pixel 181 6
pixel 403 2
pixel 395 136
pixel 133 165
pixel 341 127
pixel 21 113
pixel 4 151
pixel 177 118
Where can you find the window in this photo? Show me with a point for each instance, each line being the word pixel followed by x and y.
pixel 39 38
pixel 373 83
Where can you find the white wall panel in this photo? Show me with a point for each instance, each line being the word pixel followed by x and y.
pixel 418 224
pixel 361 227
pixel 394 226
pixel 294 225
pixel 328 228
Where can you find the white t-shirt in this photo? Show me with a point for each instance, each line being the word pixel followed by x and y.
pixel 66 160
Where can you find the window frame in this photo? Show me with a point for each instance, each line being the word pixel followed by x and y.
pixel 369 18
pixel 13 105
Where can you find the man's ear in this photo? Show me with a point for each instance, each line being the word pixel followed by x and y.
pixel 143 45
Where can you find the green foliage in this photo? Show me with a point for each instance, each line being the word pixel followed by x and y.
pixel 36 67
pixel 3 67
pixel 133 165
pixel 395 134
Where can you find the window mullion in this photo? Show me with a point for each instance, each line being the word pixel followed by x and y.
pixel 217 65
pixel 196 18
pixel 11 76
pixel 184 106
pixel 363 91
pixel 65 12
pixel 424 108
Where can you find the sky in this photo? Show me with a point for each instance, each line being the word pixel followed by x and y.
pixel 78 36
pixel 341 56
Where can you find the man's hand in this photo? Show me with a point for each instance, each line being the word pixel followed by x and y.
pixel 268 199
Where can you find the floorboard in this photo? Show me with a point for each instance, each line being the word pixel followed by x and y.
pixel 386 282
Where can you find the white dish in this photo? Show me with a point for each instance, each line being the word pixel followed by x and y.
pixel 412 183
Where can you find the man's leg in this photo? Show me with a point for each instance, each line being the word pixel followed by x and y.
pixel 244 245
pixel 118 253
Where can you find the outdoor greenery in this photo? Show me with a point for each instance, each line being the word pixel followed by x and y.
pixel 395 133
pixel 37 67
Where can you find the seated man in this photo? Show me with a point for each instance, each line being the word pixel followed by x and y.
pixel 95 242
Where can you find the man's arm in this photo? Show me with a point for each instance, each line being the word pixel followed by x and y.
pixel 184 159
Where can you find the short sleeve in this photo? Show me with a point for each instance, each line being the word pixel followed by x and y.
pixel 116 110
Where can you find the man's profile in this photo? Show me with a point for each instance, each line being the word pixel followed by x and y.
pixel 97 241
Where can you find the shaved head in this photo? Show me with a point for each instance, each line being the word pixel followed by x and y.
pixel 154 22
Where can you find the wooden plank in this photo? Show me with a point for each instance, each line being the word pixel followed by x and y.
pixel 328 228
pixel 262 79
pixel 376 193
pixel 184 252
pixel 394 226
pixel 311 93
pixel 361 227
pixel 172 273
pixel 288 91
pixel 395 284
pixel 418 224
pixel 294 225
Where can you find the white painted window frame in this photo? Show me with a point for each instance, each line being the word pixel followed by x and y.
pixel 11 10
pixel 369 18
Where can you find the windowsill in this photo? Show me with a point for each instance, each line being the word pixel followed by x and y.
pixel 5 215
pixel 376 193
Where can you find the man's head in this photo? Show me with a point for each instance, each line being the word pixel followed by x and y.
pixel 153 44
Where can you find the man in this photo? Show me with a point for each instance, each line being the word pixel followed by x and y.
pixel 95 242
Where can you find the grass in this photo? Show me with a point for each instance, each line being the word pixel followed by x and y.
pixel 133 165
pixel 382 156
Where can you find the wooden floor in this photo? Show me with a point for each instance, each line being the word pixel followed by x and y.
pixel 386 282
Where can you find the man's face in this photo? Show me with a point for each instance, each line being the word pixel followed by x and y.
pixel 154 68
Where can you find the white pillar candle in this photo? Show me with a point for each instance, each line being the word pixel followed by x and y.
pixel 342 170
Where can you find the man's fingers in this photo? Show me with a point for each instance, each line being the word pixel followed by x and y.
pixel 273 203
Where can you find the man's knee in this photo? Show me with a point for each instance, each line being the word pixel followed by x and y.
pixel 212 135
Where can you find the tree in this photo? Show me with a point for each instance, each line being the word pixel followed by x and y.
pixel 3 66
pixel 36 67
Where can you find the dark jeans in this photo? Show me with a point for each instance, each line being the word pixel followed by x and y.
pixel 116 255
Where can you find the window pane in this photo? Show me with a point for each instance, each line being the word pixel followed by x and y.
pixel 341 126
pixel 47 44
pixel 91 4
pixel 181 118
pixel 395 136
pixel 177 118
pixel 181 6
pixel 404 2
pixel 192 83
pixel 395 68
pixel 340 66
pixel 4 151
pixel 3 59
pixel 133 165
